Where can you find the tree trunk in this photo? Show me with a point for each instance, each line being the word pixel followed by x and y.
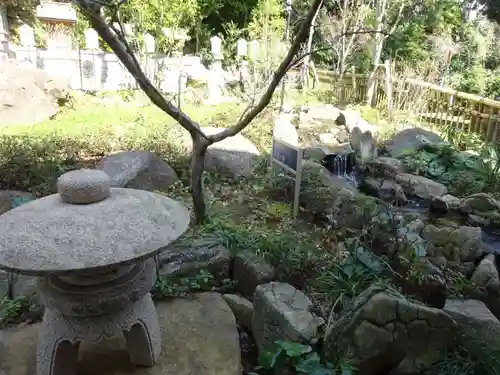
pixel 305 71
pixel 197 190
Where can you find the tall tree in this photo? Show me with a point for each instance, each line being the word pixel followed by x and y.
pixel 382 24
pixel 115 38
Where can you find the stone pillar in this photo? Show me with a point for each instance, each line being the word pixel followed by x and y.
pixel 253 52
pixel 4 35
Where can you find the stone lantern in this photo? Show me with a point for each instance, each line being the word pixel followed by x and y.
pixel 92 247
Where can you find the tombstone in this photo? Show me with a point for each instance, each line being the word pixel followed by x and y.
pixel 241 50
pixel 253 51
pixel 168 32
pixel 127 28
pixel 26 36
pixel 149 43
pixel 91 39
pixel 216 47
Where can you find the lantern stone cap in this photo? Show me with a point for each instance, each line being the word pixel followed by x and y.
pixel 88 226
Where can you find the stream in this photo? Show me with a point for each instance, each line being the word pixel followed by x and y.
pixel 345 168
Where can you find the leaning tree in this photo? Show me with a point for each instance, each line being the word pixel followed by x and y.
pixel 111 30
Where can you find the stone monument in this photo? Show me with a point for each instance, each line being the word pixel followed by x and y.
pixel 92 247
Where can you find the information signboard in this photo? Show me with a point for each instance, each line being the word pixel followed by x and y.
pixel 289 157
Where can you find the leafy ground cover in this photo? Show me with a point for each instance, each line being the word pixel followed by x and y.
pixel 332 266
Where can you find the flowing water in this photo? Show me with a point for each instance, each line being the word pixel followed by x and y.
pixel 343 166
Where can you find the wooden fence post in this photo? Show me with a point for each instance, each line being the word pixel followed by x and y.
pixel 388 87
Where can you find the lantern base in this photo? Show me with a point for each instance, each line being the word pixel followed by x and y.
pixel 93 306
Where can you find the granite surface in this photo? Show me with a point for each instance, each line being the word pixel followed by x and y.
pixel 49 235
pixel 84 186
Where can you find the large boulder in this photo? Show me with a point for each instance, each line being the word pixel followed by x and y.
pixel 474 319
pixel 321 111
pixel 282 312
pixel 234 156
pixel 384 331
pixel 138 170
pixel 199 336
pixel 188 256
pixel 251 270
pixel 410 140
pixel 420 186
pixel 23 86
pixel 363 144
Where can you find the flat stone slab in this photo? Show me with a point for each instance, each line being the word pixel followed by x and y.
pixel 49 236
pixel 199 336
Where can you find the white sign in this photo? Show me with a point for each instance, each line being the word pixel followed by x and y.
pixel 253 51
pixel 289 157
pixel 241 49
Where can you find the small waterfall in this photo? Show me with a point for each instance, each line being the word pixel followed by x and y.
pixel 342 166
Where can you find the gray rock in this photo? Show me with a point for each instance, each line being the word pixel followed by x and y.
pixel 479 203
pixel 383 330
pixel 234 156
pixel 24 286
pixel 387 190
pixel 454 243
pixel 445 203
pixel 138 170
pixel 4 284
pixel 363 144
pixel 314 153
pixel 323 112
pixel 384 166
pixel 475 321
pixel 321 191
pixel 352 119
pixel 241 308
pixel 21 84
pixel 410 140
pixel 421 187
pixel 282 312
pixel 188 256
pixel 486 274
pixel 328 139
pixel 251 270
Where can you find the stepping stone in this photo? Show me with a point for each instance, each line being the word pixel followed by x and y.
pixel 199 336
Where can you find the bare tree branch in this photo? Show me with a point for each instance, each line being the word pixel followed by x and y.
pixel 117 41
pixel 278 76
pixel 299 59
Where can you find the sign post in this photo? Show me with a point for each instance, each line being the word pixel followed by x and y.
pixel 289 157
